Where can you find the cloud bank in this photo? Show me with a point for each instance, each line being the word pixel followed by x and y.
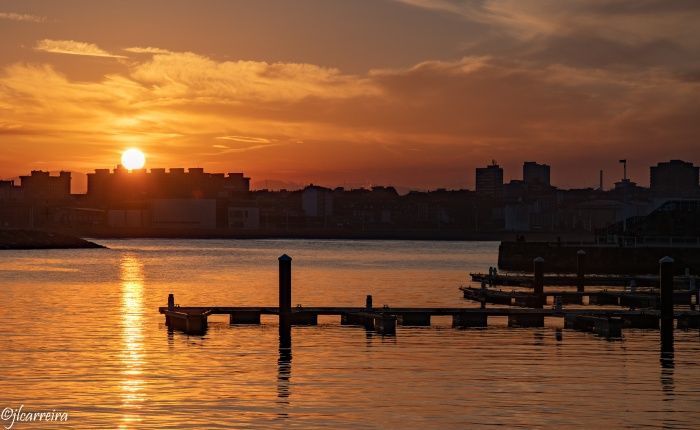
pixel 576 84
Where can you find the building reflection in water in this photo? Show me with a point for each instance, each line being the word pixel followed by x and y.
pixel 284 371
pixel 132 351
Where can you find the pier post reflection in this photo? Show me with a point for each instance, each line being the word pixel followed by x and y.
pixel 284 363
pixel 666 323
pixel 667 347
pixel 284 370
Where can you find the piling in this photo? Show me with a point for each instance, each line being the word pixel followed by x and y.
pixel 534 320
pixel 558 307
pixel 368 302
pixel 538 264
pixel 171 307
pixel 483 295
pixel 666 292
pixel 300 317
pixel 608 327
pixel 641 320
pixel 244 317
pixel 688 321
pixel 285 299
pixel 385 324
pixel 415 318
pixel 580 270
pixel 464 319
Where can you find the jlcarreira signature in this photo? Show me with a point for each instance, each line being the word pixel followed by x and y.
pixel 11 416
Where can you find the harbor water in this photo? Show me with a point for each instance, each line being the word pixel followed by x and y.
pixel 81 333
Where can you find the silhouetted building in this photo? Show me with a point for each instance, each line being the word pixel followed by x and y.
pixel 317 201
pixel 489 180
pixel 244 218
pixel 123 185
pixel 536 174
pixel 191 202
pixel 41 185
pixel 674 178
pixel 9 191
pixel 183 214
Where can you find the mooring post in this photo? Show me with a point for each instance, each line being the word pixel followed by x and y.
pixel 538 285
pixel 666 291
pixel 580 270
pixel 285 298
pixel 482 298
pixel 171 301
pixel 368 302
pixel 558 307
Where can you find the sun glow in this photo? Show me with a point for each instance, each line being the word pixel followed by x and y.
pixel 133 159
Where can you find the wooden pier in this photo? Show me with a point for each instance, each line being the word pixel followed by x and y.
pixel 462 317
pixel 386 320
pixel 603 321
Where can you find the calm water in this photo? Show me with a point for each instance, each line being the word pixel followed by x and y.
pixel 81 333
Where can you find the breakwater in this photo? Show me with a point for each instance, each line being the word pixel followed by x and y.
pixel 35 239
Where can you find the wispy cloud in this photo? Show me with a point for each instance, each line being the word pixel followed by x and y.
pixel 72 47
pixel 617 20
pixel 245 139
pixel 147 50
pixel 22 17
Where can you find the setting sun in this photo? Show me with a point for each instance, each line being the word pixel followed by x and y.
pixel 133 159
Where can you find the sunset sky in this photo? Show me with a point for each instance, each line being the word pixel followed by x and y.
pixel 415 93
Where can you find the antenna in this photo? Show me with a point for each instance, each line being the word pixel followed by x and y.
pixel 624 169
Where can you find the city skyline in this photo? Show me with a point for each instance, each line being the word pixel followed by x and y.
pixel 672 175
pixel 413 93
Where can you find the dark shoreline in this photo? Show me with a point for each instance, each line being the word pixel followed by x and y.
pixel 415 235
pixel 36 239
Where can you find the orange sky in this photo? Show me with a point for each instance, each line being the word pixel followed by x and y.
pixel 414 93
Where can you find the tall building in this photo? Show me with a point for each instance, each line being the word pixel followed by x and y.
pixel 674 178
pixel 536 174
pixel 489 180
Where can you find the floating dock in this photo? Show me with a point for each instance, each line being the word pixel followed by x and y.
pixel 641 299
pixel 622 281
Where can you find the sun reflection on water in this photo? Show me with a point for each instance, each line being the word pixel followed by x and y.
pixel 132 353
